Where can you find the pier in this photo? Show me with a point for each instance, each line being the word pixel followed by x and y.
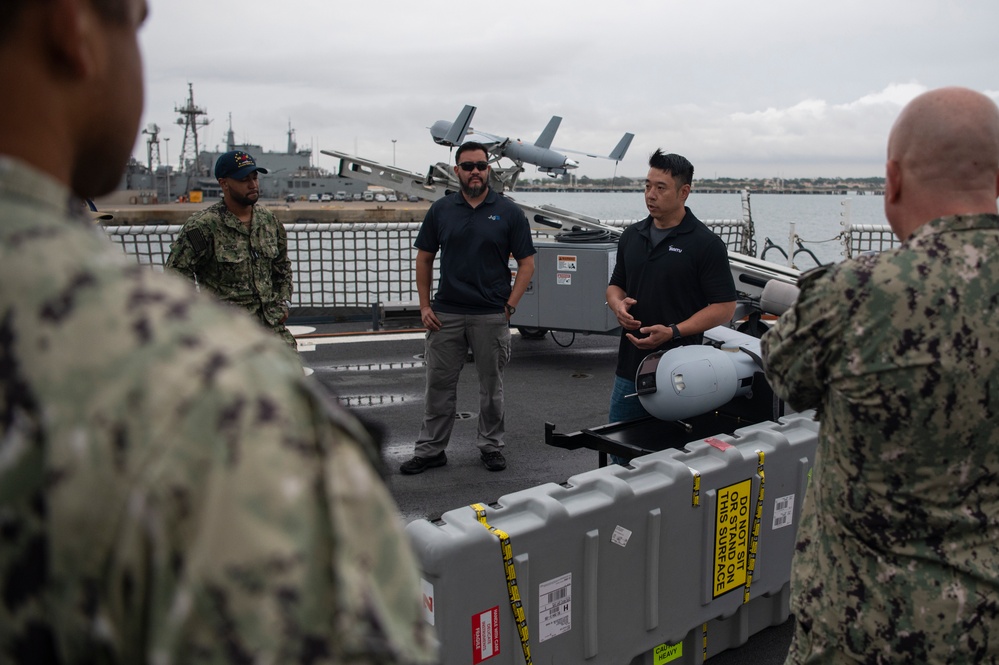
pixel 299 212
pixel 707 188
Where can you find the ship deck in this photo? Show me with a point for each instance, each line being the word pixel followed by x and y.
pixel 380 376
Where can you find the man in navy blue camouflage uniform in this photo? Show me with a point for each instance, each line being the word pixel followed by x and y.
pixel 237 249
pixel 897 558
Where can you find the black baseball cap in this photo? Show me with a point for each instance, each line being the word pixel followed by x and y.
pixel 236 164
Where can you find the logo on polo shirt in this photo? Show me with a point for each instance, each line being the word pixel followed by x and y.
pixel 494 218
pixel 675 249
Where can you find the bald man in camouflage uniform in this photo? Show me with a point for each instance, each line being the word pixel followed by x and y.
pixel 172 488
pixel 237 249
pixel 898 548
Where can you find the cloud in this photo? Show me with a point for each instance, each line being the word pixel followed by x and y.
pixel 752 89
pixel 896 95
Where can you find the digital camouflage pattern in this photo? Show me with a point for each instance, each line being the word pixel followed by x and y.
pixel 898 546
pixel 173 489
pixel 244 266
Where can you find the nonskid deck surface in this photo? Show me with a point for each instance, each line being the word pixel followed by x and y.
pixel 380 377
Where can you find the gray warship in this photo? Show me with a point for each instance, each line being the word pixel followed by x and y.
pixel 291 174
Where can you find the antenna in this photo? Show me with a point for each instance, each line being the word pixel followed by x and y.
pixel 152 145
pixel 189 118
pixel 230 136
pixel 292 144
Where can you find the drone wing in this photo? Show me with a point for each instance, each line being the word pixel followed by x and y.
pixel 617 154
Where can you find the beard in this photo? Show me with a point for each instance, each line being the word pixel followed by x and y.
pixel 473 191
pixel 248 200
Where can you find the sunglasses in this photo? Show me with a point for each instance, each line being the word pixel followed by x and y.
pixel 471 166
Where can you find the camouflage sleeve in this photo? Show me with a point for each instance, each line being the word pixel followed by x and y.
pixel 175 490
pixel 795 346
pixel 270 536
pixel 189 250
pixel 282 272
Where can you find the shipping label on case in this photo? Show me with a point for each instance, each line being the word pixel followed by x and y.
pixel 555 607
pixel 783 511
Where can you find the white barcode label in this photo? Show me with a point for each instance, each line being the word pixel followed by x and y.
pixel 557 596
pixel 621 536
pixel 555 607
pixel 783 511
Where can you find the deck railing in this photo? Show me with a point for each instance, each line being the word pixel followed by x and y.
pixel 863 238
pixel 357 265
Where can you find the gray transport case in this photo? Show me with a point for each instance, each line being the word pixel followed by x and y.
pixel 680 557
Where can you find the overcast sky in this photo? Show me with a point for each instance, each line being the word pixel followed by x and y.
pixel 743 88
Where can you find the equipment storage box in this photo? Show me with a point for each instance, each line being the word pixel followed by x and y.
pixel 683 555
pixel 569 288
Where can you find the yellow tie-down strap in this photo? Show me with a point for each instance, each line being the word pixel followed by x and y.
pixel 757 519
pixel 695 499
pixel 511 580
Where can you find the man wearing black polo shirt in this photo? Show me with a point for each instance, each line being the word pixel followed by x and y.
pixel 672 279
pixel 476 230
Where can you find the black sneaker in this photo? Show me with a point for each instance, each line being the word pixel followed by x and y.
pixel 419 464
pixel 494 461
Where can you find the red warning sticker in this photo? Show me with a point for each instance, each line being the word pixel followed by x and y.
pixel 718 443
pixel 485 635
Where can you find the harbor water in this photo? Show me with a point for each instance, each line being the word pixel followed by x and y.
pixel 354 265
pixel 818 219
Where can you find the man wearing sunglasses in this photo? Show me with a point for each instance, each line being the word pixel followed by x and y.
pixel 476 231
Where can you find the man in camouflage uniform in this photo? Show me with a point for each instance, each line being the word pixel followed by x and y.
pixel 898 547
pixel 172 488
pixel 237 249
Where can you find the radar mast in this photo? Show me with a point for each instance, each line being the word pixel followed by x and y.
pixel 190 118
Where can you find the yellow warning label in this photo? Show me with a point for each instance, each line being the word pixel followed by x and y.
pixel 732 537
pixel 667 653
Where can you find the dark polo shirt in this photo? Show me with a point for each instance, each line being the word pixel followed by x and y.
pixel 475 245
pixel 682 275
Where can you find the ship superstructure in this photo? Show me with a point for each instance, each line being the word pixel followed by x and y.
pixel 290 173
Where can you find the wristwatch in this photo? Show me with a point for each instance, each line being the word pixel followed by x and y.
pixel 676 331
pixel 510 309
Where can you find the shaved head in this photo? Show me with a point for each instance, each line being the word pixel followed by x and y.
pixel 943 158
pixel 950 134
